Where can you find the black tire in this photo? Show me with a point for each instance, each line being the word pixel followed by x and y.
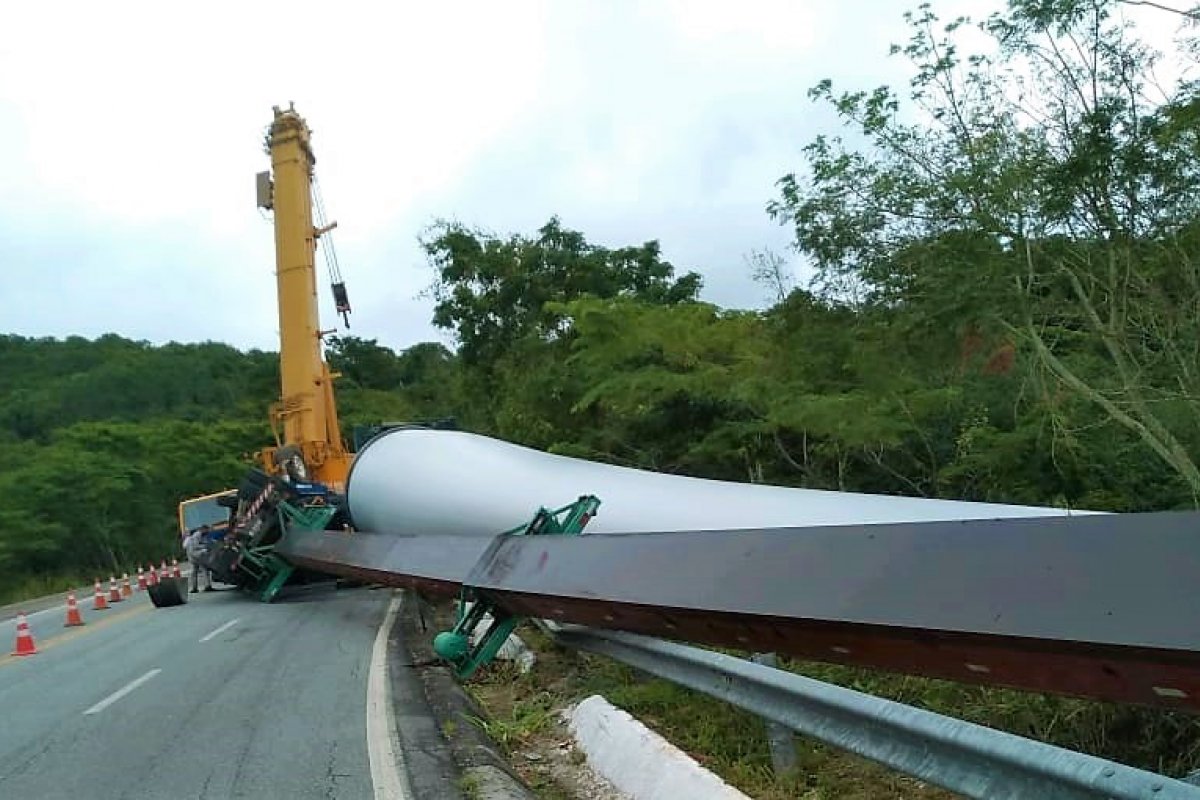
pixel 168 592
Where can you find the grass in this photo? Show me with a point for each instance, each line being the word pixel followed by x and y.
pixel 522 720
pixel 31 588
pixel 544 788
pixel 733 744
pixel 469 786
pixel 1160 741
pixel 728 741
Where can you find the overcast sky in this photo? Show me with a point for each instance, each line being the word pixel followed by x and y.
pixel 130 134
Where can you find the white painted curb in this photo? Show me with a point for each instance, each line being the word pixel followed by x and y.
pixel 636 760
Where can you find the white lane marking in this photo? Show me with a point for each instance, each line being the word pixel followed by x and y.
pixel 84 601
pixel 60 609
pixel 86 596
pixel 33 614
pixel 85 610
pixel 119 693
pixel 388 775
pixel 220 630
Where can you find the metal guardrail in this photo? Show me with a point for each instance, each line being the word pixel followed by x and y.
pixel 971 759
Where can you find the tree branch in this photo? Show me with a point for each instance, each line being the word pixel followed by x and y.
pixel 1168 448
pixel 1192 14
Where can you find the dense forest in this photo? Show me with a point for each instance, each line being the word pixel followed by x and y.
pixel 1005 307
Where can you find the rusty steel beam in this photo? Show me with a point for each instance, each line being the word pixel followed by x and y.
pixel 1093 606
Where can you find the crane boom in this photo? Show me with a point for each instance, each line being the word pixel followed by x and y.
pixel 305 422
pixel 303 475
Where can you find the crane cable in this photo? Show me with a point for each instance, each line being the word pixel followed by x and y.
pixel 341 299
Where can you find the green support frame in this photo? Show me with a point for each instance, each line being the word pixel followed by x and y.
pixel 455 645
pixel 281 571
pixel 308 518
pixel 270 572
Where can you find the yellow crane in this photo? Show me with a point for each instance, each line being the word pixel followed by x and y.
pixel 308 442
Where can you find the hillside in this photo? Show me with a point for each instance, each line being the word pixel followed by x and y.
pixel 604 354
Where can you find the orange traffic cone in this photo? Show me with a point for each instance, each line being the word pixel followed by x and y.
pixel 175 573
pixel 151 575
pixel 114 594
pixel 126 589
pixel 25 645
pixel 141 584
pixel 74 619
pixel 98 601
pixel 163 574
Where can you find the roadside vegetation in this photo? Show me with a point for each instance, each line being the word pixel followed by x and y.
pixel 524 717
pixel 39 586
pixel 1004 305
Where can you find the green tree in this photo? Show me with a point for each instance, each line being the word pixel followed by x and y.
pixel 663 386
pixel 429 373
pixel 1042 194
pixel 364 362
pixel 492 291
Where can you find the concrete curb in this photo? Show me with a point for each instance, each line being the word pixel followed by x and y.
pixel 636 760
pixel 486 774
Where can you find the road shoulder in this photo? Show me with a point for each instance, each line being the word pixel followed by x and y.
pixel 438 721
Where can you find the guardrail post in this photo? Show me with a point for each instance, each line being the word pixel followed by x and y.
pixel 780 738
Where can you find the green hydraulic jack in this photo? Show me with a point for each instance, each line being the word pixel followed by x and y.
pixel 455 645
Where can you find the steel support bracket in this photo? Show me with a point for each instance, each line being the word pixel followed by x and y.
pixel 269 571
pixel 309 518
pixel 281 571
pixel 474 606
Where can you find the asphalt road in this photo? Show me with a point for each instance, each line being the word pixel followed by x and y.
pixel 83 593
pixel 221 698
